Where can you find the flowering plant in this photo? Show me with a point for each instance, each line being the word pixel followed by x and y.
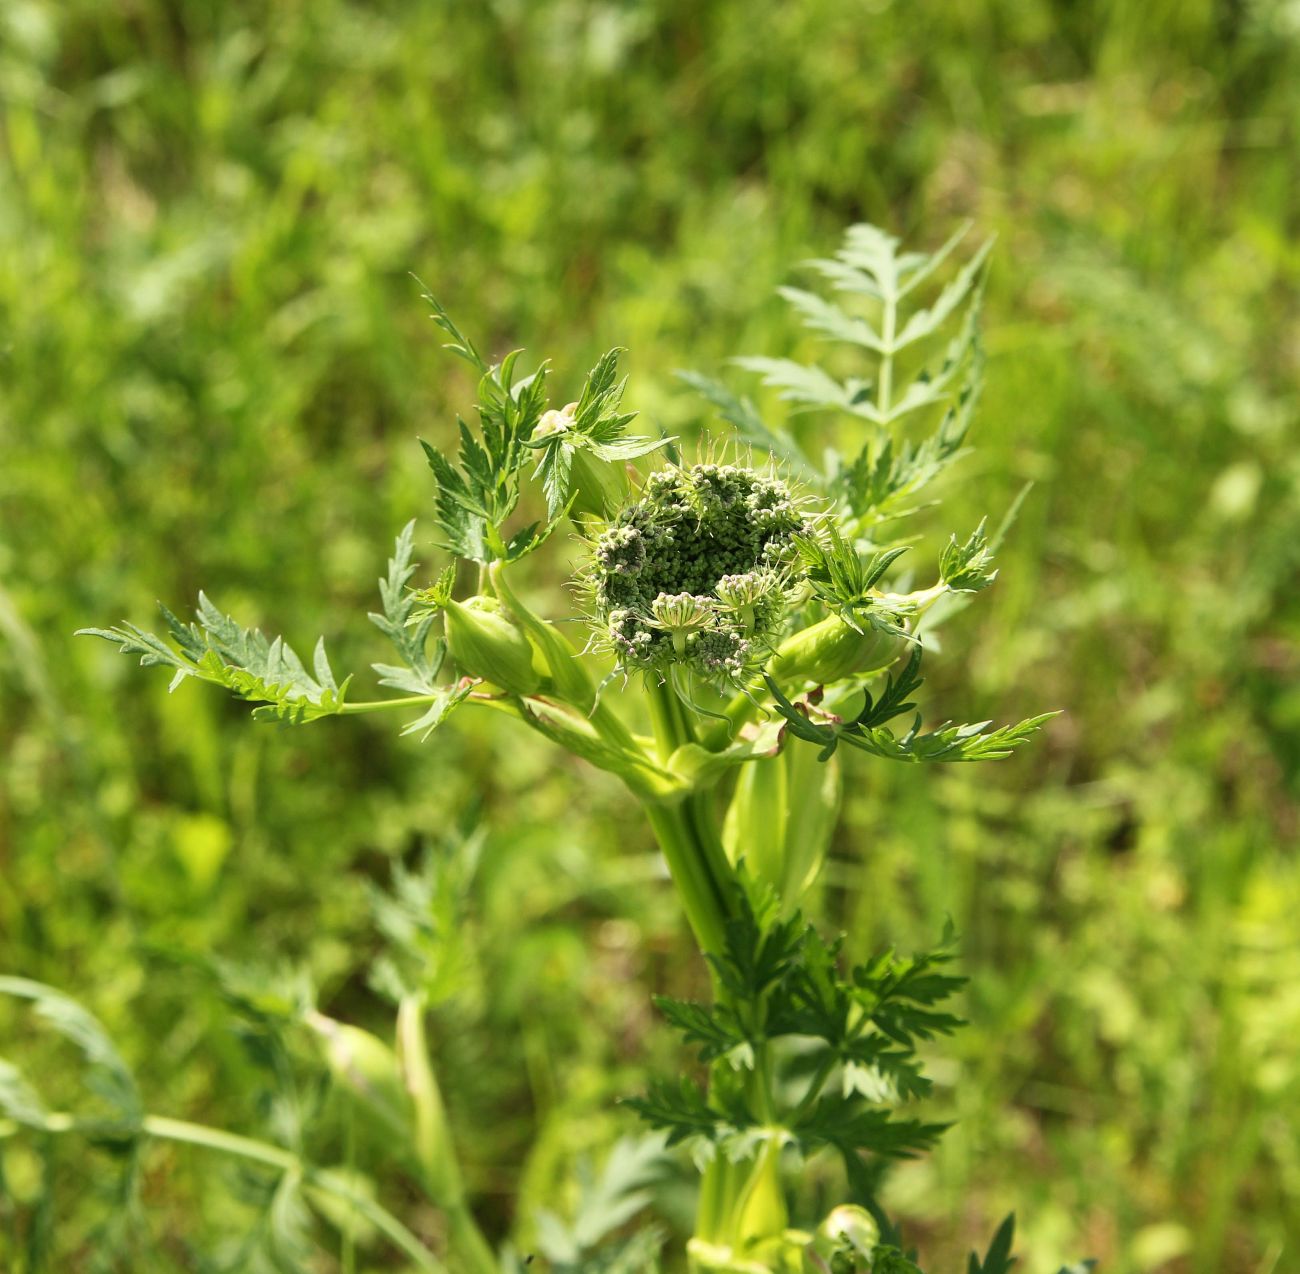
pixel 746 614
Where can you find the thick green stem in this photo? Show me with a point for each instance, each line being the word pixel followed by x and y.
pixel 696 861
pixel 686 864
pixel 740 1204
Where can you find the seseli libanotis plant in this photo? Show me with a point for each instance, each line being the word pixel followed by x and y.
pixel 748 610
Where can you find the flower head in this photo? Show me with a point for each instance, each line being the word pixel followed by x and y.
pixel 698 570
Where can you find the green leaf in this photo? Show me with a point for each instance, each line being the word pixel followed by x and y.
pixel 477 496
pixel 755 958
pixel 266 672
pixel 108 1076
pixel 408 633
pixel 606 1201
pixel 842 580
pixel 949 742
pixel 447 700
pixel 715 1030
pixel 812 387
pixel 679 1108
pixel 848 1126
pixel 460 344
pixel 893 700
pixel 899 994
pixel 926 322
pixel 998 1259
pixel 743 416
pixel 594 425
pixel 967 567
pixel 825 317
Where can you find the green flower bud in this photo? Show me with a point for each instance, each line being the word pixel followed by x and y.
pixel 365 1066
pixel 852 1227
pixel 486 643
pixel 559 660
pixel 781 818
pixel 844 1243
pixel 830 650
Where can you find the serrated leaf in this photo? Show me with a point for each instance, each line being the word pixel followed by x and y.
pixel 743 416
pixel 217 649
pixel 847 1125
pixel 998 1259
pixel 409 635
pixel 967 567
pixel 825 317
pixel 926 322
pixel 811 386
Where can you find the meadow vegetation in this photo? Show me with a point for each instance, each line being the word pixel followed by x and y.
pixel 215 365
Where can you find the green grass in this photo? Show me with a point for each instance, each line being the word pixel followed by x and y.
pixel 214 366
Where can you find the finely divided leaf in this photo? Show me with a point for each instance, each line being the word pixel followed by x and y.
pixel 266 672
pixel 419 667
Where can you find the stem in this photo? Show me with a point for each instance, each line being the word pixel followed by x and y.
pixel 888 320
pixel 164 1129
pixel 815 1086
pixel 701 901
pixel 738 1203
pixel 690 844
pixel 434 1148
pixel 379 705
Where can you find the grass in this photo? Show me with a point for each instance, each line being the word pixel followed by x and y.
pixel 215 366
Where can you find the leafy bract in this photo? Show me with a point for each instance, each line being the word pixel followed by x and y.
pixel 594 427
pixel 869 731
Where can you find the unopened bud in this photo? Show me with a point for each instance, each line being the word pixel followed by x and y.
pixel 487 644
pixel 366 1066
pixel 852 1226
pixel 830 650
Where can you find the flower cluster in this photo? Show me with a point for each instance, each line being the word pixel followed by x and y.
pixel 697 571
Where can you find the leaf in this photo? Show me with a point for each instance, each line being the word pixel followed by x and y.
pixel 811 386
pixel 714 1030
pixel 848 1126
pixel 217 649
pixel 477 496
pixel 893 700
pixel 949 742
pixel 448 699
pixel 800 724
pixel 742 415
pixel 419 668
pixel 678 1108
pixel 606 1201
pixel 926 322
pixel 840 578
pixel 827 318
pixel 460 344
pixel 967 567
pixel 899 995
pixel 927 263
pixel 755 958
pixel 108 1075
pixel 998 1259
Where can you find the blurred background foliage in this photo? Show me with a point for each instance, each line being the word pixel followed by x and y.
pixel 213 365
